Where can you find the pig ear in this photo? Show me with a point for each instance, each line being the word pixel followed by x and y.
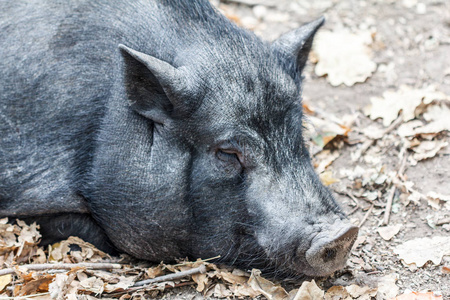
pixel 297 43
pixel 155 88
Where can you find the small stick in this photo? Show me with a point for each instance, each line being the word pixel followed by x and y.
pixel 25 297
pixel 394 125
pixel 390 198
pixel 174 276
pixel 366 216
pixel 366 145
pixel 43 267
pixel 130 290
pixel 201 260
pixel 350 194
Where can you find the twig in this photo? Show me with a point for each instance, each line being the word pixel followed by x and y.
pixel 133 289
pixel 246 2
pixel 366 145
pixel 394 125
pixel 350 194
pixel 174 276
pixel 43 267
pixel 366 216
pixel 200 260
pixel 25 297
pixel 390 198
pixel 373 272
pixel 443 221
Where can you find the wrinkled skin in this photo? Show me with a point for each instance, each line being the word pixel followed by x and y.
pixel 124 126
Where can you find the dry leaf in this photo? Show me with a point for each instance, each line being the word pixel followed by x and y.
pixel 155 271
pixel 266 287
pixel 327 178
pixel 235 277
pixel 336 292
pixel 389 232
pixel 418 296
pixel 387 287
pixel 350 60
pixel 123 284
pixel 427 149
pixel 4 281
pixel 92 284
pixel 325 159
pixel 244 290
pixel 419 251
pixel 201 280
pixel 362 293
pixel 439 119
pixel 435 199
pixel 36 285
pixel 221 291
pixel 62 250
pixel 323 131
pixel 309 291
pixel 405 99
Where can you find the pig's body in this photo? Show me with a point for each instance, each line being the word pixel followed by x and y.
pixel 185 142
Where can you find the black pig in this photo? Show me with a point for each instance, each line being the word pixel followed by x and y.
pixel 161 129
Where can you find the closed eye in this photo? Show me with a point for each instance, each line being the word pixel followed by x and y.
pixel 228 156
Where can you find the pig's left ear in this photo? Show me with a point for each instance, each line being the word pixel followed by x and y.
pixel 297 43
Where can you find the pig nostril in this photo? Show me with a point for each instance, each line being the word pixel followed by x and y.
pixel 329 254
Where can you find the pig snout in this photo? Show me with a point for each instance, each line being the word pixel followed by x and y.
pixel 330 248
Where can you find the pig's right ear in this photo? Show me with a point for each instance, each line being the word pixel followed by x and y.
pixel 156 89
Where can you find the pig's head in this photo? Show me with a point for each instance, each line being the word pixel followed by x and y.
pixel 212 160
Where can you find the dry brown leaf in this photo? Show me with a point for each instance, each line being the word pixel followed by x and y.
pixel 323 131
pixel 36 285
pixel 266 287
pixel 361 293
pixel 336 293
pixel 349 62
pixel 405 99
pixel 421 250
pixel 309 291
pixel 123 284
pixel 439 119
pixel 61 251
pixel 389 232
pixel 92 284
pixel 244 290
pixel 427 149
pixel 418 296
pixel 435 199
pixel 201 280
pixel 221 291
pixel 325 159
pixel 235 277
pixel 4 281
pixel 155 271
pixel 327 178
pixel 387 287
